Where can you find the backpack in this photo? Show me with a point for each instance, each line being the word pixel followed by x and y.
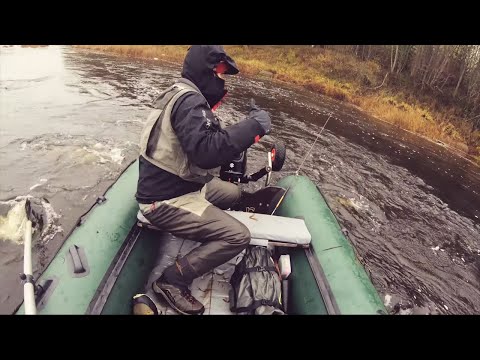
pixel 256 287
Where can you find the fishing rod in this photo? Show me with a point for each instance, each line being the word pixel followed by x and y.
pixel 296 172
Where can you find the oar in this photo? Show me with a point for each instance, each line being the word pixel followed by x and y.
pixel 27 276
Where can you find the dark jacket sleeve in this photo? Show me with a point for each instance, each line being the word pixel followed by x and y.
pixel 205 144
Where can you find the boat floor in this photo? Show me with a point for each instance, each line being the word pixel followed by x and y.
pixel 211 289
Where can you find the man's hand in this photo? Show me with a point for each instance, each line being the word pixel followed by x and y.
pixel 261 116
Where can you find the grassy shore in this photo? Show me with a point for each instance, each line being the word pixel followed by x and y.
pixel 340 76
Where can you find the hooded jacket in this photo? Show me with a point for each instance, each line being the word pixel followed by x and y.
pixel 202 138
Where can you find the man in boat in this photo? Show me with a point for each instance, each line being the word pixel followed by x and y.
pixel 182 145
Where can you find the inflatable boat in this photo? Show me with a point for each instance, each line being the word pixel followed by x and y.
pixel 108 262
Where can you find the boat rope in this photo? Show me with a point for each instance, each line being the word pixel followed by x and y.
pixel 311 147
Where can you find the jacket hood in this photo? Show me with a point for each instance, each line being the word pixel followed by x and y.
pixel 198 68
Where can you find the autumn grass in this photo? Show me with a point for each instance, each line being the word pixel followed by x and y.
pixel 417 119
pixel 336 75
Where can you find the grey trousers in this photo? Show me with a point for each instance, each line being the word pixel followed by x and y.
pixel 198 216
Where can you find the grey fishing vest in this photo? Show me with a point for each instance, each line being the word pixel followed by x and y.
pixel 160 145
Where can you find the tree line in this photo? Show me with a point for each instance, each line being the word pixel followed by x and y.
pixel 451 73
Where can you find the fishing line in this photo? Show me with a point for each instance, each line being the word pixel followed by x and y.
pixel 296 173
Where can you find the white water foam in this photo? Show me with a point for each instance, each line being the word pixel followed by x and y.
pixel 12 225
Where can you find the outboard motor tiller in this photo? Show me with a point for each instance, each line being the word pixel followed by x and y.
pixel 234 171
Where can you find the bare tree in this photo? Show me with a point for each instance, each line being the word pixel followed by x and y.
pixel 393 60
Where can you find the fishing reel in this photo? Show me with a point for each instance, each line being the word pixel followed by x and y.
pixel 234 171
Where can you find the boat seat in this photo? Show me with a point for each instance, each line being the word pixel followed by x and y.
pixel 264 229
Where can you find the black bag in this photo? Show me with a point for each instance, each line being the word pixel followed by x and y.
pixel 256 284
